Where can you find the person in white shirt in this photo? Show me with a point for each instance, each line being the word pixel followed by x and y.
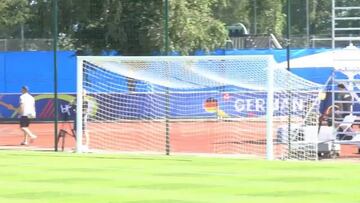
pixel 27 112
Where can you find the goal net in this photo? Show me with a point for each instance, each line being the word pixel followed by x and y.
pixel 238 105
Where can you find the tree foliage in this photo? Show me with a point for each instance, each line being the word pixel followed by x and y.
pixel 193 26
pixel 13 13
pixel 136 27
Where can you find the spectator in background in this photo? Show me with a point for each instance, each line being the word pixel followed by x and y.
pixel 343 101
pixel 27 112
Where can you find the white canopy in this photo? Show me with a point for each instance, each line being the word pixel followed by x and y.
pixel 348 57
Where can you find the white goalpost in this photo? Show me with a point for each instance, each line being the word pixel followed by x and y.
pixel 238 105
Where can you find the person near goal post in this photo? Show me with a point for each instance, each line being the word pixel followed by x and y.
pixel 343 100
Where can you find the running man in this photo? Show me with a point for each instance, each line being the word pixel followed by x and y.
pixel 27 112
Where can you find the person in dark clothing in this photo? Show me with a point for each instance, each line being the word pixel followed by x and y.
pixel 343 100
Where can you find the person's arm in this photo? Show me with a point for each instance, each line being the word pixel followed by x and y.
pixel 8 106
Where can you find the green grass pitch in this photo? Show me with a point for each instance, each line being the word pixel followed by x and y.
pixel 29 177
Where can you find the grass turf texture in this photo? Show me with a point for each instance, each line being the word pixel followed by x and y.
pixel 28 177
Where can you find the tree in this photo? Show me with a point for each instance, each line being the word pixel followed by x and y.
pixel 271 18
pixel 132 27
pixel 320 17
pixel 233 11
pixel 40 23
pixel 260 16
pixel 136 27
pixel 193 26
pixel 14 13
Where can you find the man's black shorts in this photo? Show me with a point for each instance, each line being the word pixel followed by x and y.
pixel 24 121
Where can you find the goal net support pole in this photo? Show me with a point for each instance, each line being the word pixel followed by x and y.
pixel 270 114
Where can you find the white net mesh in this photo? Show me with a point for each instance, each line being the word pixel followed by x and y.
pixel 214 105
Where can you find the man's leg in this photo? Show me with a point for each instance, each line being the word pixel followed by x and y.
pixel 28 132
pixel 24 124
pixel 25 142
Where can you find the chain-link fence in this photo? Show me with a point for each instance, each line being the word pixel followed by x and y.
pixel 26 44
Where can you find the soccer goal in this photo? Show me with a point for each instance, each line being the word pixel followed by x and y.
pixel 237 105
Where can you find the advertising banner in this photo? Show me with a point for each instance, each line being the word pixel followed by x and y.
pixel 189 105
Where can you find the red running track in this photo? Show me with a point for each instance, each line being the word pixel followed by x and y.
pixel 216 138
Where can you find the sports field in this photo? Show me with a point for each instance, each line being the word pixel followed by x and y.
pixel 29 177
